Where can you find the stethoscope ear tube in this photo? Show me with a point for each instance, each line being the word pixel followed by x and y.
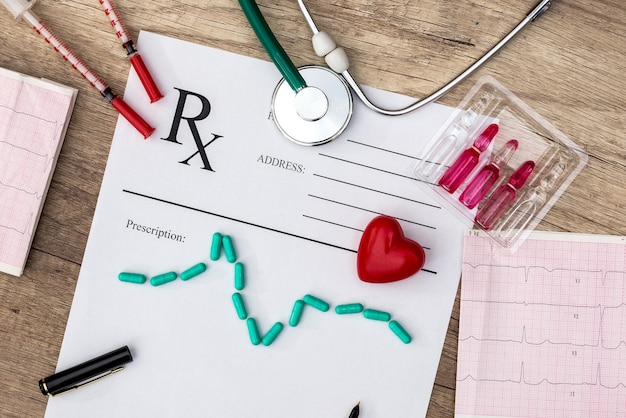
pixel 533 15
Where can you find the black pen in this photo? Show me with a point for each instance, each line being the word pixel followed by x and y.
pixel 355 411
pixel 86 372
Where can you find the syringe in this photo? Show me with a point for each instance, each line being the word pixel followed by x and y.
pixel 21 10
pixel 135 59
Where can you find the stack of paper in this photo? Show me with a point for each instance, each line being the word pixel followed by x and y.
pixel 542 330
pixel 217 163
pixel 34 115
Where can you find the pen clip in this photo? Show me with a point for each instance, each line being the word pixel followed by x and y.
pixel 109 373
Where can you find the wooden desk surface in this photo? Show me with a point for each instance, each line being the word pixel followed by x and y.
pixel 569 66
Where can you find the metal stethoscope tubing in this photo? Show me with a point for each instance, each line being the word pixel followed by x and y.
pixel 533 15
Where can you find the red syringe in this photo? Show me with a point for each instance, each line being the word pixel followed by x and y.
pixel 135 59
pixel 21 10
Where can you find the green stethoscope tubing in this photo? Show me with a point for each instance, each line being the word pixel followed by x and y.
pixel 275 51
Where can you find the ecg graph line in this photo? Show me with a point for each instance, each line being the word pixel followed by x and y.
pixel 599 341
pixel 45 156
pixel 601 310
pixel 522 380
pixel 28 114
pixel 36 194
pixel 27 228
pixel 528 270
pixel 51 142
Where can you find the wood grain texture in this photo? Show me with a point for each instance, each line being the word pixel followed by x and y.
pixel 569 66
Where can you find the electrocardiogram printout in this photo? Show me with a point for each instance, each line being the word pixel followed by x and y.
pixel 34 115
pixel 542 332
pixel 217 163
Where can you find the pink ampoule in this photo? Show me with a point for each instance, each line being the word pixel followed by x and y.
pixel 467 161
pixel 532 201
pixel 503 196
pixel 487 176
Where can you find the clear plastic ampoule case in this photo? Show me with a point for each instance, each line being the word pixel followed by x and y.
pixel 499 163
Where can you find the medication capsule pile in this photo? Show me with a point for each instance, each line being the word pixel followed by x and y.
pixel 224 243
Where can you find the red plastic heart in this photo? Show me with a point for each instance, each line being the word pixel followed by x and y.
pixel 385 254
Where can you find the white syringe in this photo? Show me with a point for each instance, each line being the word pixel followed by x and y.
pixel 21 10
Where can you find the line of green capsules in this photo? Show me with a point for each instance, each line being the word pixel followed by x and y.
pixel 221 242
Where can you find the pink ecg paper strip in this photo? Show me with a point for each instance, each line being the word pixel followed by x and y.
pixel 33 120
pixel 542 332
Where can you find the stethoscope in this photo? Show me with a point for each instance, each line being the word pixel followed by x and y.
pixel 313 105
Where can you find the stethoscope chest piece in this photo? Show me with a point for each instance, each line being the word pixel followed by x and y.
pixel 317 113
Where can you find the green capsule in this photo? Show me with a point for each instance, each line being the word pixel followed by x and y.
pixel 316 303
pixel 376 315
pixel 239 277
pixel 229 249
pixel 240 307
pixel 163 278
pixel 400 332
pixel 296 313
pixel 253 331
pixel 272 334
pixel 216 246
pixel 132 277
pixel 349 308
pixel 193 271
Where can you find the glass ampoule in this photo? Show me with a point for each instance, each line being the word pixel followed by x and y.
pixel 482 182
pixel 529 205
pixel 467 161
pixel 502 198
pixel 451 141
